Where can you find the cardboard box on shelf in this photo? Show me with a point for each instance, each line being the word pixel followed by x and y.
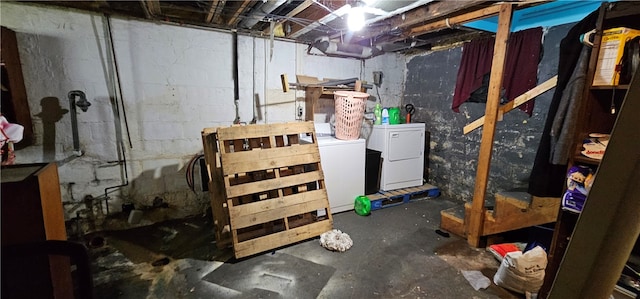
pixel 610 54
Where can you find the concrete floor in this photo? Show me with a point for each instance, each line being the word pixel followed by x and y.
pixel 396 254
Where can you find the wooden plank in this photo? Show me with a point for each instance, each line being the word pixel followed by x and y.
pixel 258 163
pixel 214 11
pixel 274 203
pixel 151 8
pixel 545 210
pixel 266 185
pixel 450 22
pixel 256 131
pixel 277 208
pixel 313 14
pixel 249 247
pixel 216 190
pixel 521 99
pixel 425 13
pixel 52 212
pixel 491 113
pixel 235 18
pixel 451 221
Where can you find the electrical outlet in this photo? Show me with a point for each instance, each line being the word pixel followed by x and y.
pixel 300 111
pixel 377 78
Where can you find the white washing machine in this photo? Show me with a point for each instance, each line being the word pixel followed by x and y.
pixel 402 148
pixel 343 167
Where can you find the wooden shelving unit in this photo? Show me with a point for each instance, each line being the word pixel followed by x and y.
pixel 595 117
pixel 319 100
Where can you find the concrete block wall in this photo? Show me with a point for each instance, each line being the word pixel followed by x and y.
pixel 430 84
pixel 175 81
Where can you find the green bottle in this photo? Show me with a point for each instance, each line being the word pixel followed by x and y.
pixel 378 113
pixel 362 205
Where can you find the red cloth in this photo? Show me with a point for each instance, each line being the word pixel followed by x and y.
pixel 520 72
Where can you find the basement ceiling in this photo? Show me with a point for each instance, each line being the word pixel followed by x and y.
pixel 390 25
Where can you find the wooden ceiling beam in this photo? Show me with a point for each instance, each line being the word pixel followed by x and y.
pixel 313 14
pixel 451 22
pixel 236 15
pixel 417 16
pixel 213 15
pixel 151 8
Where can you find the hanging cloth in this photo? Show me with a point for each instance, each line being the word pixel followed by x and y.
pixel 520 73
pixel 547 179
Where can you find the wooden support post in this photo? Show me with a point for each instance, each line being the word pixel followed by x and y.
pixel 491 115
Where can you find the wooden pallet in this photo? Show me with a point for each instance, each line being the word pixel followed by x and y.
pixel 384 199
pixel 266 187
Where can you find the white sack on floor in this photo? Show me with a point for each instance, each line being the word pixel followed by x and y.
pixel 336 240
pixel 522 272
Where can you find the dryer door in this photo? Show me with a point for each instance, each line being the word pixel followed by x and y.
pixel 405 144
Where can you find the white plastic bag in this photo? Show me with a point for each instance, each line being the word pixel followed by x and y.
pixel 522 272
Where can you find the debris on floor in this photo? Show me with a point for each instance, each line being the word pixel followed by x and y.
pixel 476 279
pixel 336 240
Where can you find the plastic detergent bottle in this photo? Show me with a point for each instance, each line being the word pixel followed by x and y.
pixel 378 113
pixel 362 205
pixel 385 116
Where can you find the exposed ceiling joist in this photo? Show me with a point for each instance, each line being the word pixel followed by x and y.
pixel 418 16
pixel 151 8
pixel 391 25
pixel 235 18
pixel 304 5
pixel 314 14
pixel 451 22
pixel 213 14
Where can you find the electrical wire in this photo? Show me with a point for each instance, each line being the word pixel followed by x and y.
pixel 190 172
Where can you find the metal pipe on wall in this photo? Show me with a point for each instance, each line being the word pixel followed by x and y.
pixel 84 105
pixel 236 86
pixel 116 115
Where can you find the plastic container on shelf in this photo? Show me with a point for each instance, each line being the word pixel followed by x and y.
pixel 378 114
pixel 349 107
pixel 394 116
pixel 385 116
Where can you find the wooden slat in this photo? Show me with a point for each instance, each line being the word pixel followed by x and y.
pixel 256 131
pixel 542 211
pixel 249 247
pixel 266 185
pixel 277 208
pixel 521 99
pixel 216 190
pixel 491 113
pixel 451 221
pixel 270 158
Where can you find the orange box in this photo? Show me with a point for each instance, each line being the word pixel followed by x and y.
pixel 611 50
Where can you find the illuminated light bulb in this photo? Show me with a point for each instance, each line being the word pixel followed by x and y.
pixel 355 21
